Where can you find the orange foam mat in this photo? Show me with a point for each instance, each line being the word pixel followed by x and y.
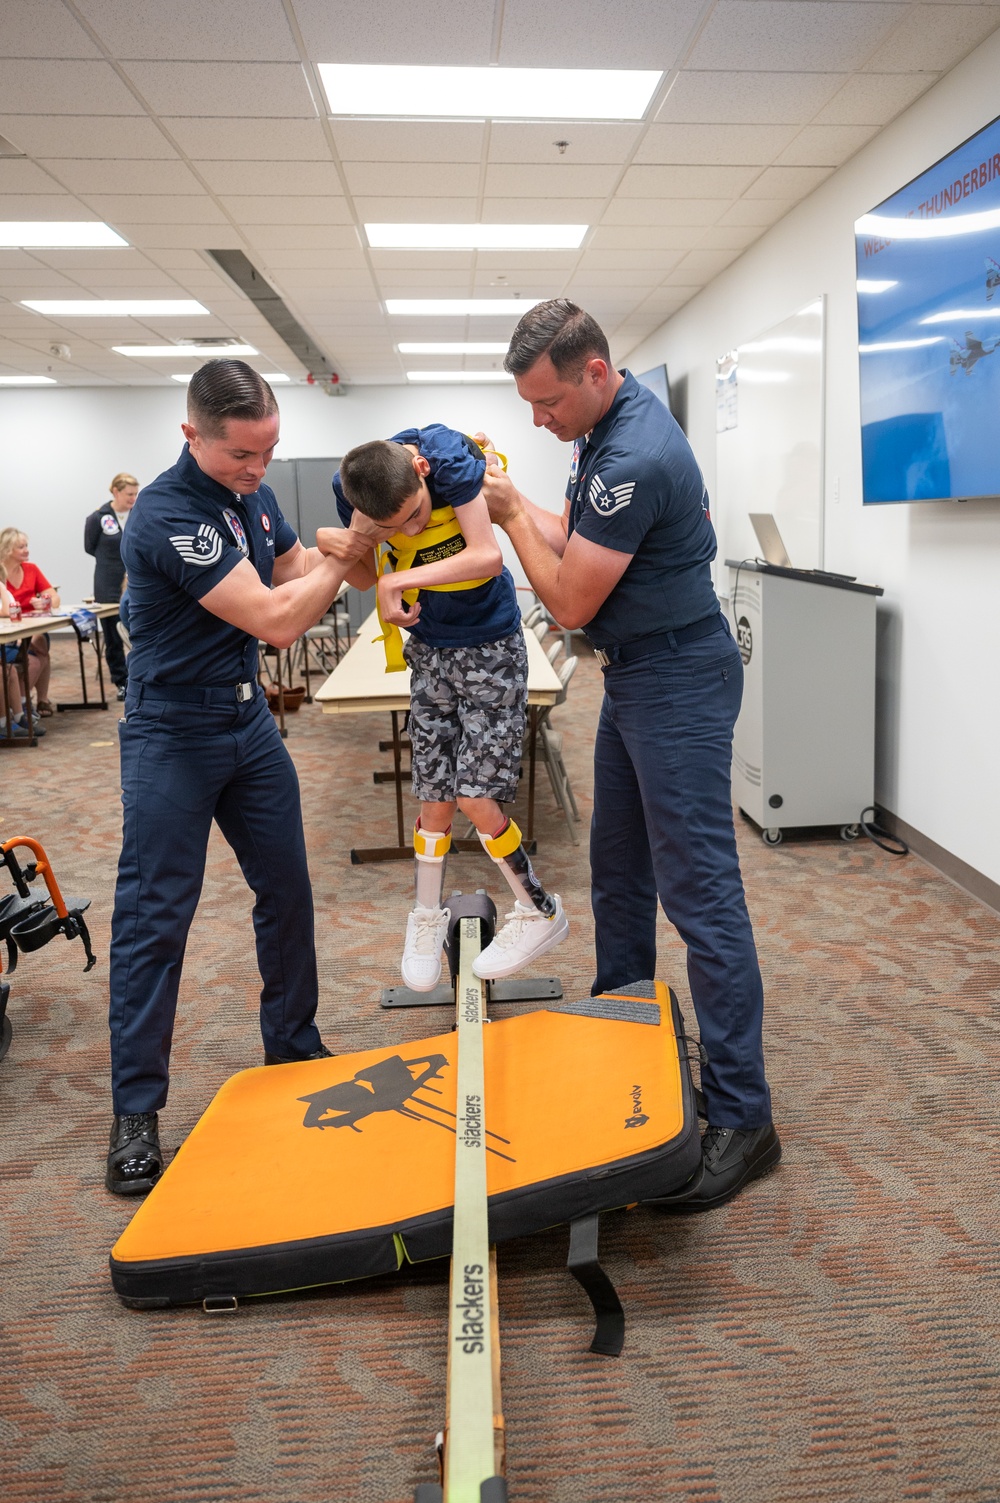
pixel 341 1168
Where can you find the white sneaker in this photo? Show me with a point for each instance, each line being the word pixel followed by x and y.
pixel 426 930
pixel 525 934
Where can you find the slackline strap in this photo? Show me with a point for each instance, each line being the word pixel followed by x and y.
pixel 584 1264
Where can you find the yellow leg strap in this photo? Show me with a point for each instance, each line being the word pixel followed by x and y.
pixel 504 843
pixel 430 845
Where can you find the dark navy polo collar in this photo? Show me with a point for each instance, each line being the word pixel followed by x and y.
pixel 625 393
pixel 193 476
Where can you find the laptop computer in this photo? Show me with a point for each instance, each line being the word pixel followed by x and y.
pixel 769 538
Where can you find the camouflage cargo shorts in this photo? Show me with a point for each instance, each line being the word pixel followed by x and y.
pixel 467 717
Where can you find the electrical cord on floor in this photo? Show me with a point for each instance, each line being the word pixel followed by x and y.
pixel 883 838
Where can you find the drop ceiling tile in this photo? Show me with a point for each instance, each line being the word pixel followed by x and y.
pixel 306 179
pixel 52 205
pixel 136 208
pixel 157 237
pixel 699 266
pixel 559 180
pixel 22 260
pixel 825 145
pixel 793 35
pixel 301 283
pixel 634 278
pixel 86 136
pixel 411 260
pixel 236 140
pixel 40 282
pixel 230 30
pixel 281 261
pixel 599 259
pixel 123 177
pixel 538 210
pixel 395 31
pixel 663 211
pixel 933 38
pixel 730 236
pixel 509 261
pixel 787 182
pixel 615 238
pixel 765 98
pixel 610 141
pixel 255 91
pixel 424 281
pixel 592 34
pixel 417 209
pixel 121 261
pixel 18 175
pixel 408 141
pixel 723 145
pixel 336 238
pixel 685 182
pixel 42 28
pixel 757 211
pixel 873 98
pixel 665 300
pixel 319 210
pixel 30 86
pixel 293 235
pixel 128 284
pixel 413 179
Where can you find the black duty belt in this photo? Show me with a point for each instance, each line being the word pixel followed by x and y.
pixel 644 647
pixel 195 694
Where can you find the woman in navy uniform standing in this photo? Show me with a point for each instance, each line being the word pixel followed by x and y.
pixel 212 566
pixel 102 538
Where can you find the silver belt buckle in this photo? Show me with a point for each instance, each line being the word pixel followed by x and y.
pixel 601 656
pixel 244 693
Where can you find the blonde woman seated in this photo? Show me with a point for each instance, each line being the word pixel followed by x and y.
pixel 32 591
pixel 8 659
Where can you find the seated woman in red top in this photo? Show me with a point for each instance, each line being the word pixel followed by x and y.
pixel 32 591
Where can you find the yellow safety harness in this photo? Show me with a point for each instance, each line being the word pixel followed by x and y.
pixel 441 538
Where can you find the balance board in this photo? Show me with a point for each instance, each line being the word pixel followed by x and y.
pixel 336 1169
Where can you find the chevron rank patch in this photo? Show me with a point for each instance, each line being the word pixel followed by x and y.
pixel 606 500
pixel 203 548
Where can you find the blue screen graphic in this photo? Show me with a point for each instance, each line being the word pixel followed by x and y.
pixel 929 326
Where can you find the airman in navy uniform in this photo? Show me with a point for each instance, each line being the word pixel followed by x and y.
pixel 629 562
pixel 212 566
pixel 102 537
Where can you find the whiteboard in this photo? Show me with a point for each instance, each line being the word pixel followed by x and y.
pixel 769 440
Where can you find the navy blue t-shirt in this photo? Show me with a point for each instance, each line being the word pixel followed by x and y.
pixel 453 618
pixel 635 486
pixel 186 532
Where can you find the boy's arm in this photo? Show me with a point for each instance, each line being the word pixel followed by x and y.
pixel 480 559
pixel 355 546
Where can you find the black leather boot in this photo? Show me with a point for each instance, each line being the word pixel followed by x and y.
pixel 135 1161
pixel 279 1059
pixel 730 1158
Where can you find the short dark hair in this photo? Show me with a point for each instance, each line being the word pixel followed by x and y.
pixel 222 389
pixel 378 477
pixel 561 330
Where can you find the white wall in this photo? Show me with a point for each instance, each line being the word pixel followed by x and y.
pixel 938 706
pixel 59 449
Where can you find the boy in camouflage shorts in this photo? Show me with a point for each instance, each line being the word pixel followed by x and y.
pixel 419 495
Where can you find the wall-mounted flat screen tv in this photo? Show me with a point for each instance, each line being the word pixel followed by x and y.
pixel 929 331
pixel 658 383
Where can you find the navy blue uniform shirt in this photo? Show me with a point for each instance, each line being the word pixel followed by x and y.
pixel 453 618
pixel 635 486
pixel 185 534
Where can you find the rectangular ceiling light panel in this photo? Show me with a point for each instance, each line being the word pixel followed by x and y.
pixel 26 381
pixel 115 307
pixel 402 92
pixel 58 235
pixel 476 236
pixel 459 307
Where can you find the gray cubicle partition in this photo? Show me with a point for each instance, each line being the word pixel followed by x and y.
pixel 305 494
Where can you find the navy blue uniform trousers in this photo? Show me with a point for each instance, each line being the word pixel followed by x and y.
pixel 663 824
pixel 184 765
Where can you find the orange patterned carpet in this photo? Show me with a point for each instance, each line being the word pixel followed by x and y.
pixel 831 1335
